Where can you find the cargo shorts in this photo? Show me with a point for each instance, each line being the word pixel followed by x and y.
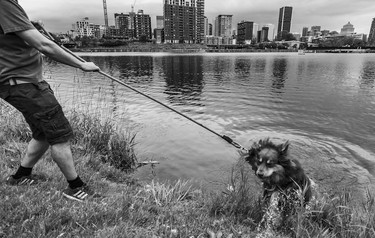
pixel 42 111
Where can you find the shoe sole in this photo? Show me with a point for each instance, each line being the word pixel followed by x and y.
pixel 23 182
pixel 81 196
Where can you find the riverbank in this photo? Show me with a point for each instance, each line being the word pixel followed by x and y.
pixel 198 48
pixel 179 50
pixel 132 208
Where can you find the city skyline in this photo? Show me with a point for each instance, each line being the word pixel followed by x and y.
pixel 330 15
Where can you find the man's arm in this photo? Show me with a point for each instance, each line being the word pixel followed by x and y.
pixel 35 39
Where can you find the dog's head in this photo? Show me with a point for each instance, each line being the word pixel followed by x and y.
pixel 272 165
pixel 269 161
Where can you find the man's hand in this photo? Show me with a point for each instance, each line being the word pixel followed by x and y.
pixel 89 66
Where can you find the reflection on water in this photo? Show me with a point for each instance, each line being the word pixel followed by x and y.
pixel 322 103
pixel 367 77
pixel 183 78
pixel 279 70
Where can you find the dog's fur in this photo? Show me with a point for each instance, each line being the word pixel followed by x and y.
pixel 285 184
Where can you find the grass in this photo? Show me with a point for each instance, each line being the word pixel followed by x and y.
pixel 131 208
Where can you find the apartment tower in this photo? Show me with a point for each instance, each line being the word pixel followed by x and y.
pixel 371 37
pixel 223 26
pixel 285 21
pixel 245 32
pixel 184 21
pixel 134 25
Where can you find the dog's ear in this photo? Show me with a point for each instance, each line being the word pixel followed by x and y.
pixel 283 148
pixel 250 157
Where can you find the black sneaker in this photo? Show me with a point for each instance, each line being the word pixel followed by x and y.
pixel 25 180
pixel 79 194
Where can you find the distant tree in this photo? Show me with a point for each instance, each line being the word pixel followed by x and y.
pixel 261 46
pixel 85 41
pixel 272 45
pixel 143 38
pixel 289 37
pixel 343 41
pixel 284 35
pixel 282 46
pixel 358 43
pixel 303 45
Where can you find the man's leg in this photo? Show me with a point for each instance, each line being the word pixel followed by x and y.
pixel 62 155
pixel 35 150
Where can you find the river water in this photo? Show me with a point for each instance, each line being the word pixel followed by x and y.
pixel 324 104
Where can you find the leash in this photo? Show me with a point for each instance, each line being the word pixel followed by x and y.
pixel 224 137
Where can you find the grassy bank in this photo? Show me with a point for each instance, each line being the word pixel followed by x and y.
pixel 131 208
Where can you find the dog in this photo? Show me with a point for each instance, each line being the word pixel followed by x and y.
pixel 286 187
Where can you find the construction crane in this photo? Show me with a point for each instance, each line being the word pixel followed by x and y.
pixel 105 13
pixel 133 5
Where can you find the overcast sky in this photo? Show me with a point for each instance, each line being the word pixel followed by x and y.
pixel 59 15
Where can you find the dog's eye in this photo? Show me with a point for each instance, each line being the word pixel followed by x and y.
pixel 269 162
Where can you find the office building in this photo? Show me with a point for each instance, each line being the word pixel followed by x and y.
pixel 304 31
pixel 184 21
pixel 264 34
pixel 315 30
pixel 210 29
pixel 159 22
pixel 371 37
pixel 223 26
pixel 271 31
pixel 347 29
pixel 206 26
pixel 245 32
pixel 285 21
pixel 255 32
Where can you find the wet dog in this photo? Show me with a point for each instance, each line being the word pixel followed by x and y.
pixel 286 187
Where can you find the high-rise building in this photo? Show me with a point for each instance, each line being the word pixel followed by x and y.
pixel 123 23
pixel 255 31
pixel 200 21
pixel 347 29
pixel 134 25
pixel 84 28
pixel 159 30
pixel 264 34
pixel 371 37
pixel 271 31
pixel 223 26
pixel 206 26
pixel 142 26
pixel 184 21
pixel 304 31
pixel 159 22
pixel 245 32
pixel 285 21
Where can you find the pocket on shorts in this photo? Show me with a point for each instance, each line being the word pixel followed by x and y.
pixel 43 86
pixel 53 123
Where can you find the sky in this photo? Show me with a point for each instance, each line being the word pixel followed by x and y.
pixel 59 15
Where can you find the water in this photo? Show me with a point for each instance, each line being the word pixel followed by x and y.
pixel 324 104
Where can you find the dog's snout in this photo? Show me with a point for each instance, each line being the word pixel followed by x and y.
pixel 260 173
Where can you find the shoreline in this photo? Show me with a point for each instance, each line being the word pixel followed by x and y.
pixel 205 50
